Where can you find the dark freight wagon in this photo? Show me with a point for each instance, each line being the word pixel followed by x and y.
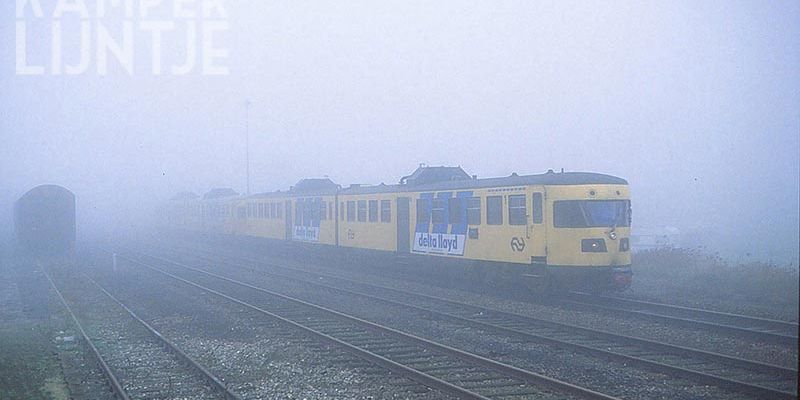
pixel 44 220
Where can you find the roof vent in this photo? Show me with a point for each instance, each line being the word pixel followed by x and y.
pixel 314 185
pixel 425 174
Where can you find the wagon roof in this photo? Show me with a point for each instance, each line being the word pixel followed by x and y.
pixel 47 189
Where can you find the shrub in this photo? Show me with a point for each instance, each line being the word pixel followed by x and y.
pixel 694 275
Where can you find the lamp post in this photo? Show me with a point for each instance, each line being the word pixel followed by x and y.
pixel 247 142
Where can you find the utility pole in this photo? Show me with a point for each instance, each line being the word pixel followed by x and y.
pixel 247 141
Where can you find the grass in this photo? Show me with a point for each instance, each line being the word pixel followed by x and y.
pixel 27 362
pixel 692 276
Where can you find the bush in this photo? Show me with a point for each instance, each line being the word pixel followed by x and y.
pixel 697 277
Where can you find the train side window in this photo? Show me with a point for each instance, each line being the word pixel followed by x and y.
pixel 261 210
pixel 437 211
pixel 373 211
pixel 494 210
pixel 423 212
pixel 474 211
pixel 362 211
pixel 517 213
pixel 311 212
pixel 298 213
pixel 386 211
pixel 272 212
pixel 323 210
pixel 341 211
pixel 456 210
pixel 351 210
pixel 279 210
pixel 330 211
pixel 538 209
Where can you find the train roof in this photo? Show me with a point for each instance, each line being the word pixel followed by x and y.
pixel 218 193
pixel 548 178
pixel 431 179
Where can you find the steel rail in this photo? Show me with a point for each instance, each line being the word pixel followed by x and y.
pixel 766 323
pixel 419 376
pixel 173 348
pixel 665 346
pixel 703 377
pixel 116 387
pixel 753 334
pixel 769 337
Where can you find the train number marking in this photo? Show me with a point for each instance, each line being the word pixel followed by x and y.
pixel 518 244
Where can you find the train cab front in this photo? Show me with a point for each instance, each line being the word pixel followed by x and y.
pixel 589 239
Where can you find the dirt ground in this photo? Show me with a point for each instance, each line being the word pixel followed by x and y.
pixel 30 367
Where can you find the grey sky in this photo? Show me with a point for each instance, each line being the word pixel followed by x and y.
pixel 697 104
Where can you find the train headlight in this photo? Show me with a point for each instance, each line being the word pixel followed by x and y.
pixel 593 246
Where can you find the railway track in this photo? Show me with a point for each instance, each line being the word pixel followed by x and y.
pixel 138 362
pixel 759 379
pixel 765 330
pixel 762 329
pixel 449 370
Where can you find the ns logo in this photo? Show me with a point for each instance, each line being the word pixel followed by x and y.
pixel 518 244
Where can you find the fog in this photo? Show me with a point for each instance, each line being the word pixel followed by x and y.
pixel 696 104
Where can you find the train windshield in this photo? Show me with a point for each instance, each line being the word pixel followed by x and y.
pixel 592 213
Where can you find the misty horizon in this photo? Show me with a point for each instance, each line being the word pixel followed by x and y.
pixel 697 105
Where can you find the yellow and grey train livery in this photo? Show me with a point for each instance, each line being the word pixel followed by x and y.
pixel 564 228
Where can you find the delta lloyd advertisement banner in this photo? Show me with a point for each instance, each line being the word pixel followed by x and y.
pixel 306 233
pixel 442 243
pixel 442 238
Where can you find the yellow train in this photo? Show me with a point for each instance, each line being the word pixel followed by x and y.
pixel 566 229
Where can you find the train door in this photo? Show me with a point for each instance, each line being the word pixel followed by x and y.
pixel 288 215
pixel 403 225
pixel 335 216
pixel 538 229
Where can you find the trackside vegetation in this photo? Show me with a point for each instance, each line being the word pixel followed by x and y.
pixel 696 277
